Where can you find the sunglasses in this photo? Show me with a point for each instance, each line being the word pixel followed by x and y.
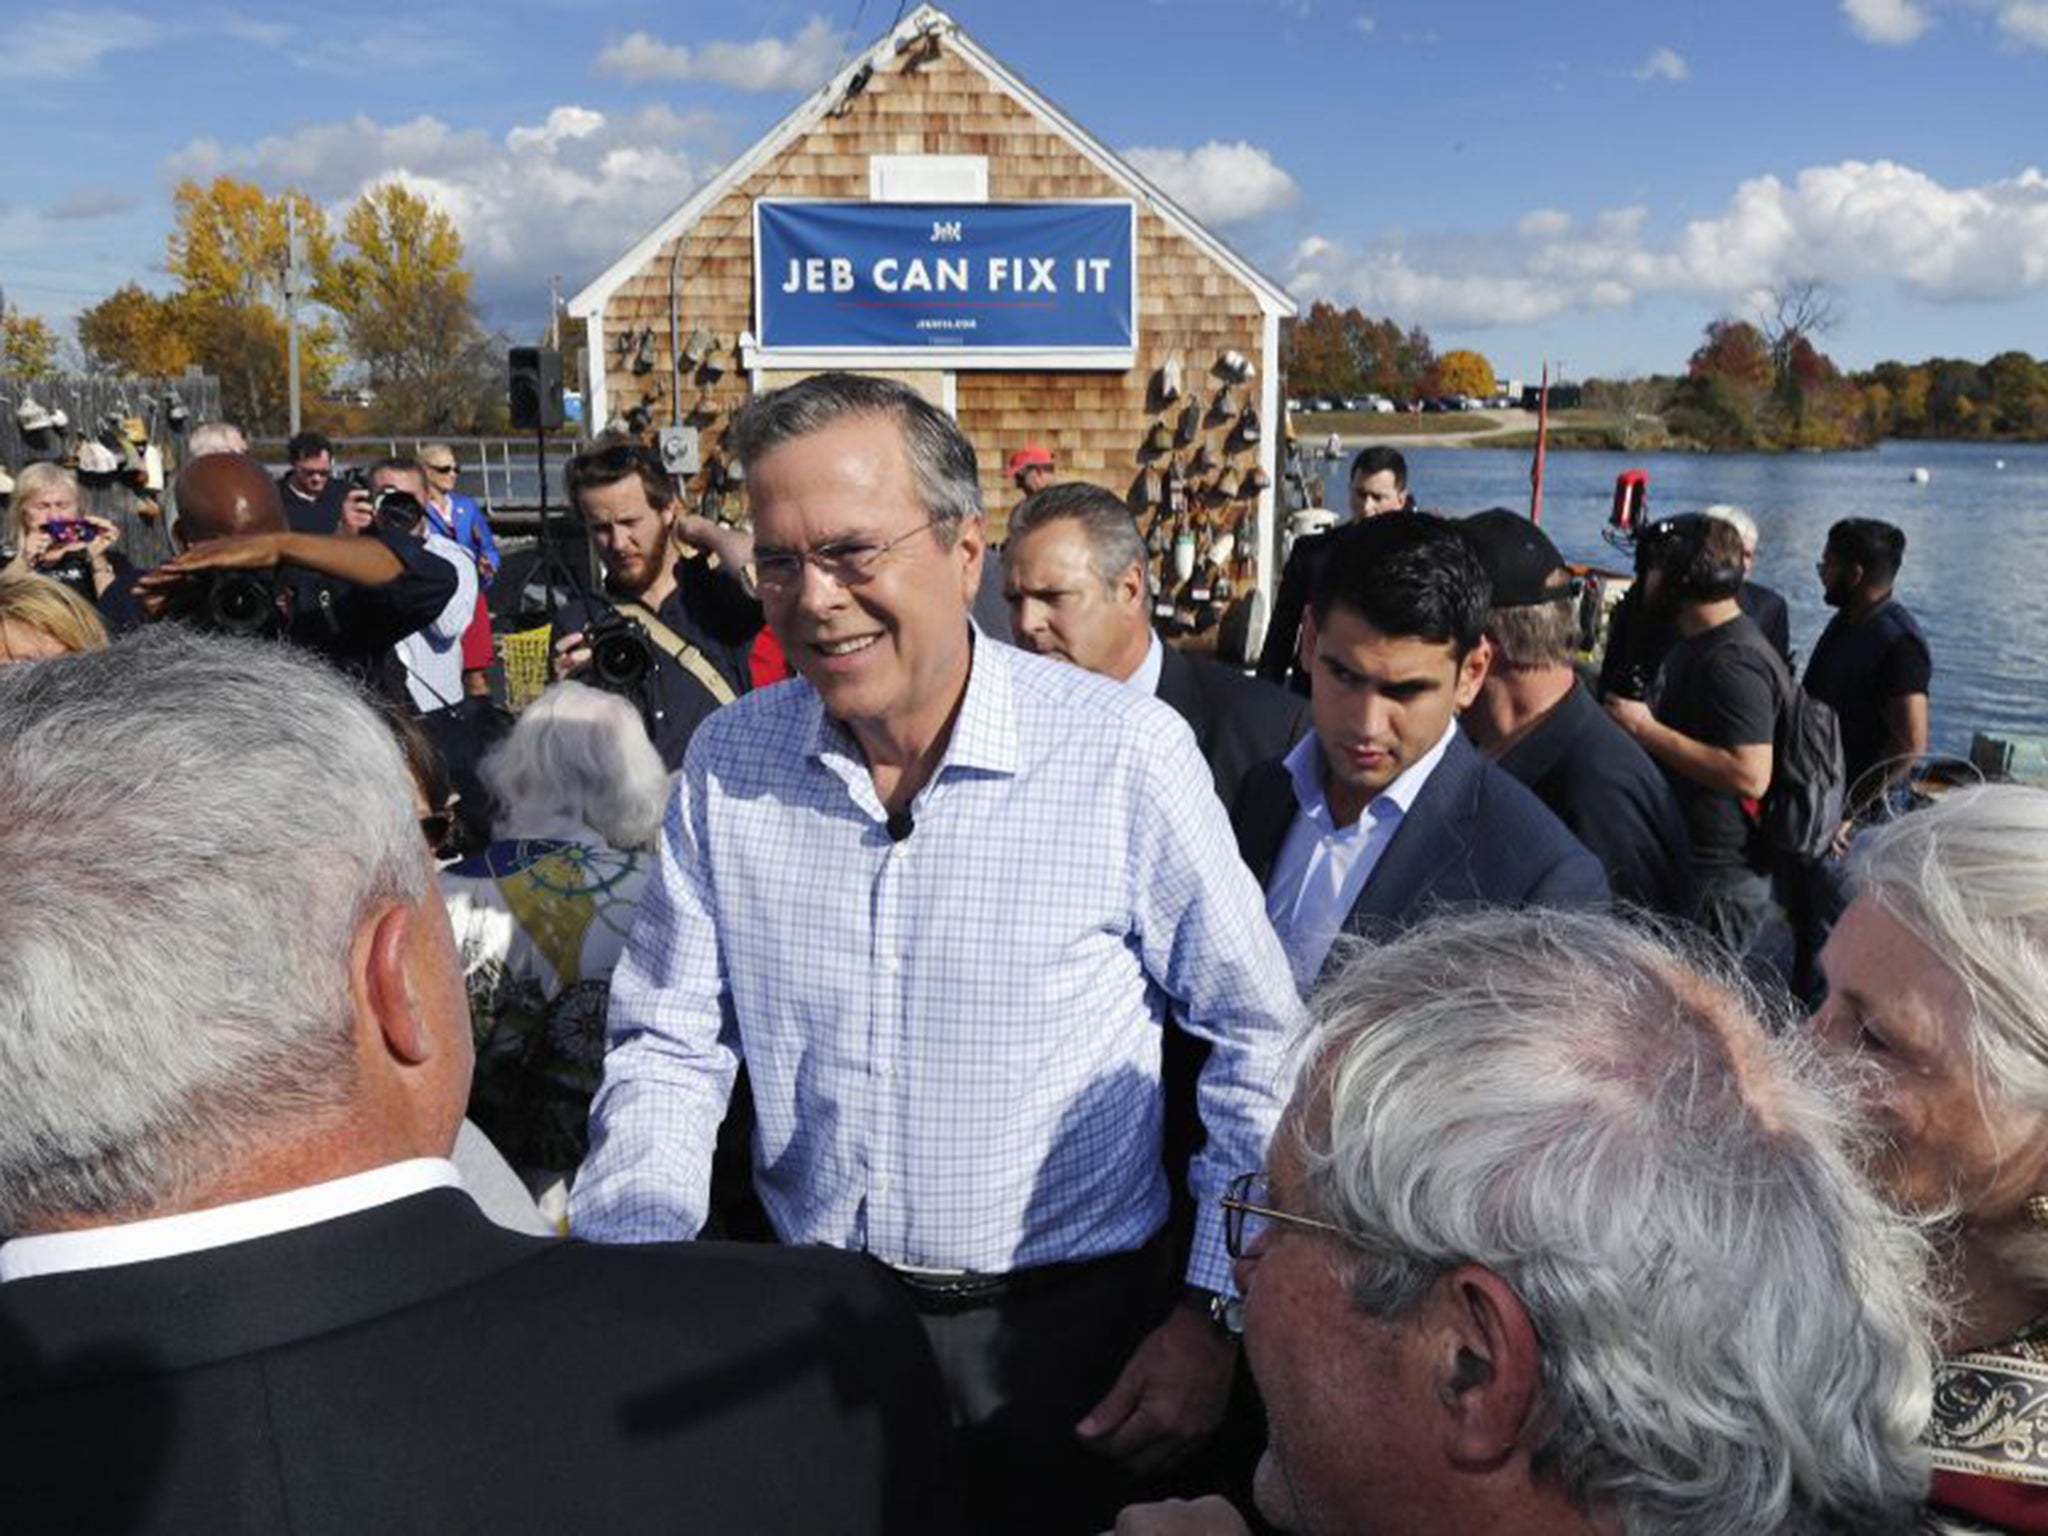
pixel 436 827
pixel 445 469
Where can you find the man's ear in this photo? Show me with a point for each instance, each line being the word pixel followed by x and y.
pixel 972 540
pixel 1472 672
pixel 1130 586
pixel 1486 1366
pixel 385 985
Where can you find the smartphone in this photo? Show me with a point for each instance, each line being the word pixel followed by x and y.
pixel 60 530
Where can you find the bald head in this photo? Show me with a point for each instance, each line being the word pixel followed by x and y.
pixel 225 495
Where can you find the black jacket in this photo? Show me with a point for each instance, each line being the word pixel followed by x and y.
pixel 1279 660
pixel 1238 721
pixel 1612 797
pixel 354 627
pixel 414 1368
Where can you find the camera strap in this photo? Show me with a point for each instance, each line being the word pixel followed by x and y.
pixel 686 655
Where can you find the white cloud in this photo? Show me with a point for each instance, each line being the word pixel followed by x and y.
pixel 1218 183
pixel 567 195
pixel 1854 222
pixel 768 64
pixel 1891 22
pixel 66 45
pixel 1662 64
pixel 1363 24
pixel 2024 22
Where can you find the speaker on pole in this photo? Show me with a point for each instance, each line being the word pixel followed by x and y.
pixel 536 382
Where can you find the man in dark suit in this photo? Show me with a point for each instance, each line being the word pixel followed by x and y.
pixel 1535 718
pixel 1388 813
pixel 244 1289
pixel 1074 570
pixel 1378 485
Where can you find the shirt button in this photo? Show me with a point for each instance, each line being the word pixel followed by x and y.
pixel 892 965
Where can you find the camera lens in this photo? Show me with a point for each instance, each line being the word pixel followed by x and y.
pixel 618 661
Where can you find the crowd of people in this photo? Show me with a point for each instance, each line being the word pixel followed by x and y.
pixel 1380 1095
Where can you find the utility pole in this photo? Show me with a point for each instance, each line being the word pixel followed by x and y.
pixel 294 261
pixel 555 313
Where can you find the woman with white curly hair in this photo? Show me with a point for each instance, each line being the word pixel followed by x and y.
pixel 542 914
pixel 1938 981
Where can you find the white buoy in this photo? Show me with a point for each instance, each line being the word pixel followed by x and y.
pixel 1920 475
pixel 1998 463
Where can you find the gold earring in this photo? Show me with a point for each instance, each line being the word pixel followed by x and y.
pixel 2037 1210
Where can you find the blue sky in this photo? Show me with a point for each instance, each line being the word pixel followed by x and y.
pixel 1588 182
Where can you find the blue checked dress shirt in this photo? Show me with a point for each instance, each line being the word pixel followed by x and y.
pixel 954 1040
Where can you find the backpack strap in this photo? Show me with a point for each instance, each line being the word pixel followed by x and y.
pixel 685 655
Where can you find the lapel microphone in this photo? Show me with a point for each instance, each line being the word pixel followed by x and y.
pixel 900 825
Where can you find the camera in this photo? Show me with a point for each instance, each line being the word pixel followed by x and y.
pixel 396 511
pixel 239 604
pixel 621 655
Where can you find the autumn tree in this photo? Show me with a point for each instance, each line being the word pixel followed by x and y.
pixel 1317 357
pixel 28 347
pixel 1463 372
pixel 228 253
pixel 137 333
pixel 403 295
pixel 1796 310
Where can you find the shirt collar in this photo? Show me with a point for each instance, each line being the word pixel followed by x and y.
pixel 166 1237
pixel 984 732
pixel 1146 678
pixel 1306 770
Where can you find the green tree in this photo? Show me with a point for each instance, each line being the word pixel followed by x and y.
pixel 137 333
pixel 1317 357
pixel 403 296
pixel 28 347
pixel 1465 372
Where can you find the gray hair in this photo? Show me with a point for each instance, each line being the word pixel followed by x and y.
pixel 195 828
pixel 1535 634
pixel 1737 519
pixel 582 754
pixel 1735 1328
pixel 942 461
pixel 1114 543
pixel 215 437
pixel 1968 877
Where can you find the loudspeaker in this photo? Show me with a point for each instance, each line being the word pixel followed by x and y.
pixel 536 384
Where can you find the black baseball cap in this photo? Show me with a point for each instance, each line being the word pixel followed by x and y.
pixel 1524 565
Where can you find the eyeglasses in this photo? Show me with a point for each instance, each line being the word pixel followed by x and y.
pixel 445 469
pixel 848 562
pixel 1247 1208
pixel 435 828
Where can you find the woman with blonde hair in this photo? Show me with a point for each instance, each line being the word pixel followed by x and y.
pixel 52 535
pixel 1938 984
pixel 40 617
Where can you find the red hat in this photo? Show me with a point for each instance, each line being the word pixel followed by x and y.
pixel 1029 455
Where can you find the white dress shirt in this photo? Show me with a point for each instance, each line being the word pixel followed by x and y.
pixel 433 655
pixel 167 1237
pixel 1146 678
pixel 1321 867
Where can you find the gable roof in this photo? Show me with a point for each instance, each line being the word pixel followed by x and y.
pixel 591 299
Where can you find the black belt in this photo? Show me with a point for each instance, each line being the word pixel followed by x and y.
pixel 943 1293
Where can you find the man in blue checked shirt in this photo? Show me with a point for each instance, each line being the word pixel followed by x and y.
pixel 940 895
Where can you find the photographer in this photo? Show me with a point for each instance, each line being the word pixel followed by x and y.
pixel 431 654
pixel 52 536
pixel 670 635
pixel 349 599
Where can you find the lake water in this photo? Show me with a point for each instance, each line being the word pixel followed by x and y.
pixel 1976 544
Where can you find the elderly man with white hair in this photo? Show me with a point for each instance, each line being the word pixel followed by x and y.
pixel 243 1288
pixel 1765 607
pixel 1555 1237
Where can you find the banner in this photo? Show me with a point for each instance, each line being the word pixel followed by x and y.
pixel 967 279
